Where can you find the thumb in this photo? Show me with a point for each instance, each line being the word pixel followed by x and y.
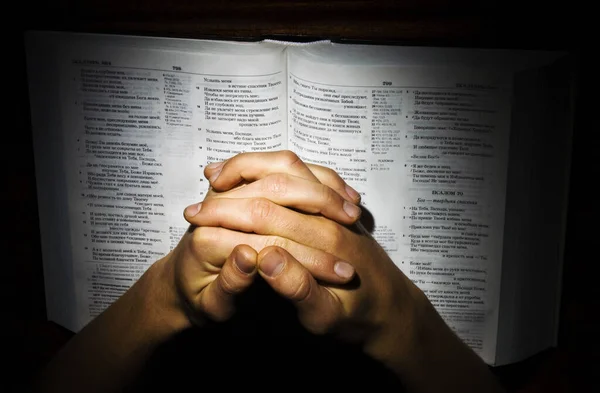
pixel 216 300
pixel 319 310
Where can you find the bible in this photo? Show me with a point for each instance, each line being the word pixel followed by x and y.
pixel 461 157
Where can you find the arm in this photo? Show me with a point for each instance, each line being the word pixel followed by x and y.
pixel 108 353
pixel 435 359
pixel 389 316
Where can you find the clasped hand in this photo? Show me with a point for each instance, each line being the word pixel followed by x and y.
pixel 290 222
pixel 294 224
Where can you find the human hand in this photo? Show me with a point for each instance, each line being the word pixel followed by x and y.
pixel 207 274
pixel 380 308
pixel 361 312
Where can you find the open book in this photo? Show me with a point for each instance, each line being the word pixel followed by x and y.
pixel 461 157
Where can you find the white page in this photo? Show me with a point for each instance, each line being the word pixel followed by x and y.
pixel 137 126
pixel 426 146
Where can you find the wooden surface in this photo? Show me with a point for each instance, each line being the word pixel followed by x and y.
pixel 511 24
pixel 440 22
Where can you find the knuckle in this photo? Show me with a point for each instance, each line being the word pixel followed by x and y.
pixel 330 172
pixel 200 236
pixel 227 284
pixel 260 209
pixel 289 158
pixel 276 184
pixel 203 238
pixel 303 290
pixel 328 197
pixel 210 206
pixel 237 157
pixel 336 236
pixel 333 177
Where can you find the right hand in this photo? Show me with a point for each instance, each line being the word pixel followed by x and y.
pixel 380 308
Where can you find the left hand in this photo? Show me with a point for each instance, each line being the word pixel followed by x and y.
pixel 380 308
pixel 204 263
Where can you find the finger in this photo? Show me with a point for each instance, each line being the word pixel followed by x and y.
pixel 330 178
pixel 216 244
pixel 297 193
pixel 318 308
pixel 263 217
pixel 250 167
pixel 217 299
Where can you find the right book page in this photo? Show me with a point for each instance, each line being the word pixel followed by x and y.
pixel 423 134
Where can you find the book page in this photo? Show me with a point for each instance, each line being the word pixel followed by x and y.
pixel 139 119
pixel 426 146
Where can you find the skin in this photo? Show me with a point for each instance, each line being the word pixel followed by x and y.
pixel 389 315
pixel 295 225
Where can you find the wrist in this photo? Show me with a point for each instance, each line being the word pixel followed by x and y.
pixel 417 343
pixel 401 330
pixel 110 350
pixel 160 301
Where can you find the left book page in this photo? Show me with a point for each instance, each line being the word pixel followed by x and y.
pixel 122 129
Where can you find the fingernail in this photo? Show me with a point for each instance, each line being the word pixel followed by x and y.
pixel 351 209
pixel 243 263
pixel 192 210
pixel 272 264
pixel 214 176
pixel 343 269
pixel 352 193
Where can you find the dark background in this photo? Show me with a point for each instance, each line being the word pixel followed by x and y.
pixel 568 26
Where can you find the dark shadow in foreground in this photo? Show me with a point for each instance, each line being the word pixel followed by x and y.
pixel 264 347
